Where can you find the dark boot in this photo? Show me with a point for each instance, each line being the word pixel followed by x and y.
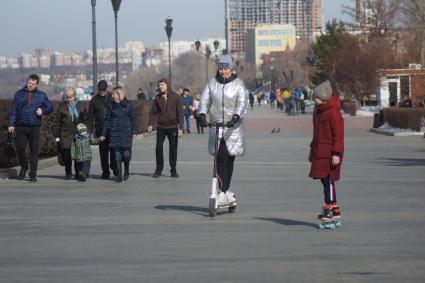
pixel 126 170
pixel 119 171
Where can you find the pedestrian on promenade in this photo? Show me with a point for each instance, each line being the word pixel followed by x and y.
pixel 327 146
pixel 251 99
pixel 29 106
pixel 225 98
pixel 296 97
pixel 199 127
pixel 121 127
pixel 96 118
pixel 68 115
pixel 81 151
pixel 272 97
pixel 187 102
pixel 167 110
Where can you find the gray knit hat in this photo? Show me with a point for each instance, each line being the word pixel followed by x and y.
pixel 225 61
pixel 323 91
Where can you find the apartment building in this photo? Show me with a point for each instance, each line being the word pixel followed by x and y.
pixel 244 15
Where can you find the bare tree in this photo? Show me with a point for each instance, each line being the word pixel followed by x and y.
pixel 377 17
pixel 414 12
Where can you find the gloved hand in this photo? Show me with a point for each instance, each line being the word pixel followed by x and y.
pixel 203 120
pixel 231 123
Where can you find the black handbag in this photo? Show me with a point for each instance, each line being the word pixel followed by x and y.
pixel 9 150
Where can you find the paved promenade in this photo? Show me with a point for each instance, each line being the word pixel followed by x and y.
pixel 158 230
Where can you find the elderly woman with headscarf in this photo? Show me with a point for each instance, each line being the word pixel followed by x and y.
pixel 68 114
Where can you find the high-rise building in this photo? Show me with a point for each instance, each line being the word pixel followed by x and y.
pixel 244 15
pixel 364 12
pixel 26 61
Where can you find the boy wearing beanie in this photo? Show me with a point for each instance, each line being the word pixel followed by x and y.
pixel 81 152
pixel 327 147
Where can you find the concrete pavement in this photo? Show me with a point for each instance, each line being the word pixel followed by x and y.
pixel 158 230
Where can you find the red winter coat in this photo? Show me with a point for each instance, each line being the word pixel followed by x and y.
pixel 328 140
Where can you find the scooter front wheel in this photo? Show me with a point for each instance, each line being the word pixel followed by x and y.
pixel 211 209
pixel 232 209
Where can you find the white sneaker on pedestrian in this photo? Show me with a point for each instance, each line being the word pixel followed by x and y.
pixel 230 196
pixel 222 198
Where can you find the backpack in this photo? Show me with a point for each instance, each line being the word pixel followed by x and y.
pixel 8 149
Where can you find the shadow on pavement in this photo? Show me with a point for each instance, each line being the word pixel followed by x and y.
pixel 187 208
pixel 141 174
pixel 403 161
pixel 287 222
pixel 57 177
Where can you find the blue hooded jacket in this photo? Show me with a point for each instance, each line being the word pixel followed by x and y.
pixel 25 115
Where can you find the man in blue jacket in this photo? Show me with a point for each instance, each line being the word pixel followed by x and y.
pixel 29 105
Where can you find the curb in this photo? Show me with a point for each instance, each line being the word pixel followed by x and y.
pixel 12 173
pixel 396 134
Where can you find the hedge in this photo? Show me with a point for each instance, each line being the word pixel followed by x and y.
pixel 405 118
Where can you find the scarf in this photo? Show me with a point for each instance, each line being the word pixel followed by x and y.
pixel 73 112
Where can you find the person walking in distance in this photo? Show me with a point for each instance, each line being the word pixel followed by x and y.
pixel 225 98
pixel 95 120
pixel 199 128
pixel 68 115
pixel 167 110
pixel 327 146
pixel 29 106
pixel 187 102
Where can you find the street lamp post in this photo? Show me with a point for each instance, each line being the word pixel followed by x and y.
pixel 116 6
pixel 207 55
pixel 216 43
pixel 169 30
pixel 93 6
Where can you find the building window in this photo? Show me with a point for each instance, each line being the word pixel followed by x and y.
pixel 263 43
pixel 276 42
pixel 274 32
pixel 263 32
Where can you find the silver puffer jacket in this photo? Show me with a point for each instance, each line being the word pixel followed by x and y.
pixel 235 102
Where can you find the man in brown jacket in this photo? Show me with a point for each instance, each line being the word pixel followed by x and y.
pixel 167 109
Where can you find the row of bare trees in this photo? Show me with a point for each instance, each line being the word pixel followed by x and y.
pixel 188 70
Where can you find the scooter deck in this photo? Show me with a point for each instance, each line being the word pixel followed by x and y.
pixel 227 205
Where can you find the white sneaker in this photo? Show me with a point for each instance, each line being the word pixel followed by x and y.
pixel 222 198
pixel 230 196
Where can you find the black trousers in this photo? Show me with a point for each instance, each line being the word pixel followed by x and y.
pixel 225 164
pixel 30 135
pixel 107 158
pixel 172 135
pixel 329 190
pixel 198 125
pixel 68 162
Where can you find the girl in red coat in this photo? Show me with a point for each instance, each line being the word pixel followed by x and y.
pixel 327 147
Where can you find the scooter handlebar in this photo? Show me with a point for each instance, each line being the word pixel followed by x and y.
pixel 216 124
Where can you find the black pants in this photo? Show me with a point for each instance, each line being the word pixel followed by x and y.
pixel 329 190
pixel 172 136
pixel 107 158
pixel 68 162
pixel 198 125
pixel 29 135
pixel 224 166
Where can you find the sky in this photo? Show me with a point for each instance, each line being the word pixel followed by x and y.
pixel 65 25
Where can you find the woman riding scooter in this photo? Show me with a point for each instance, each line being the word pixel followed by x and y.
pixel 225 99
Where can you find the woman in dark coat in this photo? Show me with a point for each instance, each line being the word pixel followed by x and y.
pixel 327 147
pixel 68 114
pixel 121 125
